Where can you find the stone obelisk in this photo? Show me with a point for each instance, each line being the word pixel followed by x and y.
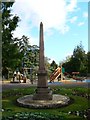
pixel 42 91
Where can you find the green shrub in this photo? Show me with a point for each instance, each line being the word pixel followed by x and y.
pixel 33 116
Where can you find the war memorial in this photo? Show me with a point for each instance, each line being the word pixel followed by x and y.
pixel 43 96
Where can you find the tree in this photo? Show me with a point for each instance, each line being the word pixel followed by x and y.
pixel 47 65
pixel 15 50
pixel 88 62
pixel 79 53
pixel 32 56
pixel 23 45
pixel 53 66
pixel 77 62
pixel 9 48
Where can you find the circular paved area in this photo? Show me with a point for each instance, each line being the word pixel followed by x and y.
pixel 57 101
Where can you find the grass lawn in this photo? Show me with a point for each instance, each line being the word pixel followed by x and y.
pixel 77 94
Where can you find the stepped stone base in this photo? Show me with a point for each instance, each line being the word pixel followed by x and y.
pixel 56 102
pixel 43 93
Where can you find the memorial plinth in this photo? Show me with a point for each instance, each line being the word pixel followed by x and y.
pixel 42 91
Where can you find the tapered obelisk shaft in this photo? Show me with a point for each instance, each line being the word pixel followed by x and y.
pixel 41 54
pixel 42 74
pixel 42 91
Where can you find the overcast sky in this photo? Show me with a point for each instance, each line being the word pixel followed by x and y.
pixel 65 24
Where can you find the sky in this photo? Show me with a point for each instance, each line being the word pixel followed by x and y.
pixel 65 25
